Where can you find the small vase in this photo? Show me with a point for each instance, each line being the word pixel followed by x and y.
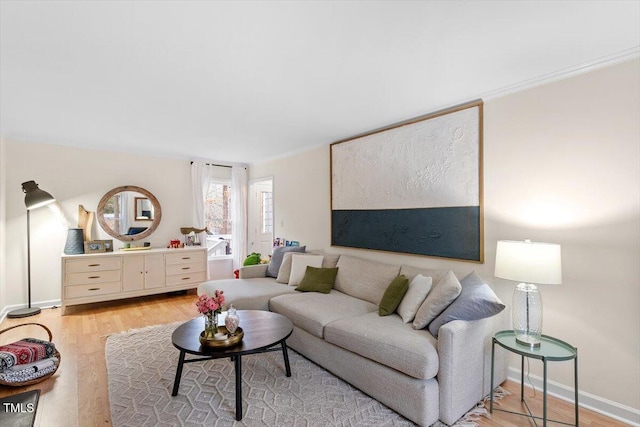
pixel 75 242
pixel 232 320
pixel 210 325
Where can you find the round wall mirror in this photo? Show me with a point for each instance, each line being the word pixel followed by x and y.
pixel 129 213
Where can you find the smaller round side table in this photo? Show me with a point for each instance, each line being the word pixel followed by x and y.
pixel 550 350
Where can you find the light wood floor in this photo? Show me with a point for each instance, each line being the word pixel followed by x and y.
pixel 77 394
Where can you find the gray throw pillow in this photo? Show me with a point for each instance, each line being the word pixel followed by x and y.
pixel 276 258
pixel 476 301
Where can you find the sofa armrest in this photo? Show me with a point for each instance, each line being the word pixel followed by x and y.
pixel 464 352
pixel 253 271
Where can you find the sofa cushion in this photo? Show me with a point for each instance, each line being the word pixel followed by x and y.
pixel 410 272
pixel 299 264
pixel 419 287
pixel 276 258
pixel 387 340
pixel 393 295
pixel 246 294
pixel 311 311
pixel 441 295
pixel 318 280
pixel 364 279
pixel 476 301
pixel 330 260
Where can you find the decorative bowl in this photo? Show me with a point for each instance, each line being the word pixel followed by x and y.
pixel 230 341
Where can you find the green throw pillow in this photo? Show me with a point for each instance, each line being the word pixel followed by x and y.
pixel 393 295
pixel 318 280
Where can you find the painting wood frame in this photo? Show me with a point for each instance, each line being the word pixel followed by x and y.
pixel 414 187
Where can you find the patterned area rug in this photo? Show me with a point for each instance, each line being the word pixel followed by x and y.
pixel 141 366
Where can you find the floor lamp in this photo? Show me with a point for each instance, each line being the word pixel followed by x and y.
pixel 34 198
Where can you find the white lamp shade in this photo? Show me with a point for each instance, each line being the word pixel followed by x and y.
pixel 529 262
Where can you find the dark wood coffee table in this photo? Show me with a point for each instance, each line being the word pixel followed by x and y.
pixel 262 331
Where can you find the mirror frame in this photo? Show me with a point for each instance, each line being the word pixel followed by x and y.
pixel 133 237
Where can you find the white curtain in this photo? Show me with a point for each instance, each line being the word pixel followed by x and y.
pixel 124 213
pixel 239 184
pixel 200 176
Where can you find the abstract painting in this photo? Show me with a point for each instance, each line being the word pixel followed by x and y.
pixel 413 187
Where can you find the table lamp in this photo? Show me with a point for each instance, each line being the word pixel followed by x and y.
pixel 529 263
pixel 33 199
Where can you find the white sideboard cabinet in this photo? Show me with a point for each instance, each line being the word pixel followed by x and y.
pixel 109 276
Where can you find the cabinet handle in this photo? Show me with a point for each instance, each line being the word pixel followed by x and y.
pixel 94 277
pixel 186 257
pixel 186 278
pixel 94 289
pixel 186 268
pixel 94 265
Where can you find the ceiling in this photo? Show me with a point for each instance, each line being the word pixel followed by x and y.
pixel 249 81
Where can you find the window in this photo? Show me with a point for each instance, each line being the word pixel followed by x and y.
pixel 217 214
pixel 267 211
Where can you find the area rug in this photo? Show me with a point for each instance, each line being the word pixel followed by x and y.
pixel 141 366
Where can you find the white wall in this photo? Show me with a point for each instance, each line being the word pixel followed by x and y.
pixel 3 193
pixel 76 176
pixel 300 196
pixel 561 165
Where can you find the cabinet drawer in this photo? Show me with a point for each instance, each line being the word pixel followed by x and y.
pixel 90 277
pixel 185 257
pixel 81 291
pixel 93 264
pixel 191 267
pixel 179 279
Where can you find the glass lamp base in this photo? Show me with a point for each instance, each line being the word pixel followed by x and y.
pixel 528 340
pixel 527 315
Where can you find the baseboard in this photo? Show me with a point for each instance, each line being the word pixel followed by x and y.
pixel 42 304
pixel 586 400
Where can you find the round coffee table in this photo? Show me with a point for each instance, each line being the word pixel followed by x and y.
pixel 263 330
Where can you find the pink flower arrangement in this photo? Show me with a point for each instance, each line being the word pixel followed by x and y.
pixel 210 305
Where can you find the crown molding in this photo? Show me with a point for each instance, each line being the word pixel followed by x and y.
pixel 604 61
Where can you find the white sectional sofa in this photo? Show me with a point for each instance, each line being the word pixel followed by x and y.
pixel 422 377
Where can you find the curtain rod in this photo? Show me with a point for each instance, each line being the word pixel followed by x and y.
pixel 213 164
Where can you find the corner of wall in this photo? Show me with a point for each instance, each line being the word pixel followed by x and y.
pixel 3 251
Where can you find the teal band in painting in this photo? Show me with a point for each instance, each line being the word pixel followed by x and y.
pixel 442 232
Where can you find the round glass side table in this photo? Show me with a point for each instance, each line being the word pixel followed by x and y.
pixel 550 350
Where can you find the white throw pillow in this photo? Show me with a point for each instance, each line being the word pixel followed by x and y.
pixel 443 294
pixel 285 268
pixel 299 264
pixel 419 287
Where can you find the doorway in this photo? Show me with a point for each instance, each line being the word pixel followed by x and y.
pixel 260 221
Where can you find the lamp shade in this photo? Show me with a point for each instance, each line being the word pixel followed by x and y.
pixel 529 262
pixel 35 197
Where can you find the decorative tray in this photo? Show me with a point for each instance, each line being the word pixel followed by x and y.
pixel 136 248
pixel 229 342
